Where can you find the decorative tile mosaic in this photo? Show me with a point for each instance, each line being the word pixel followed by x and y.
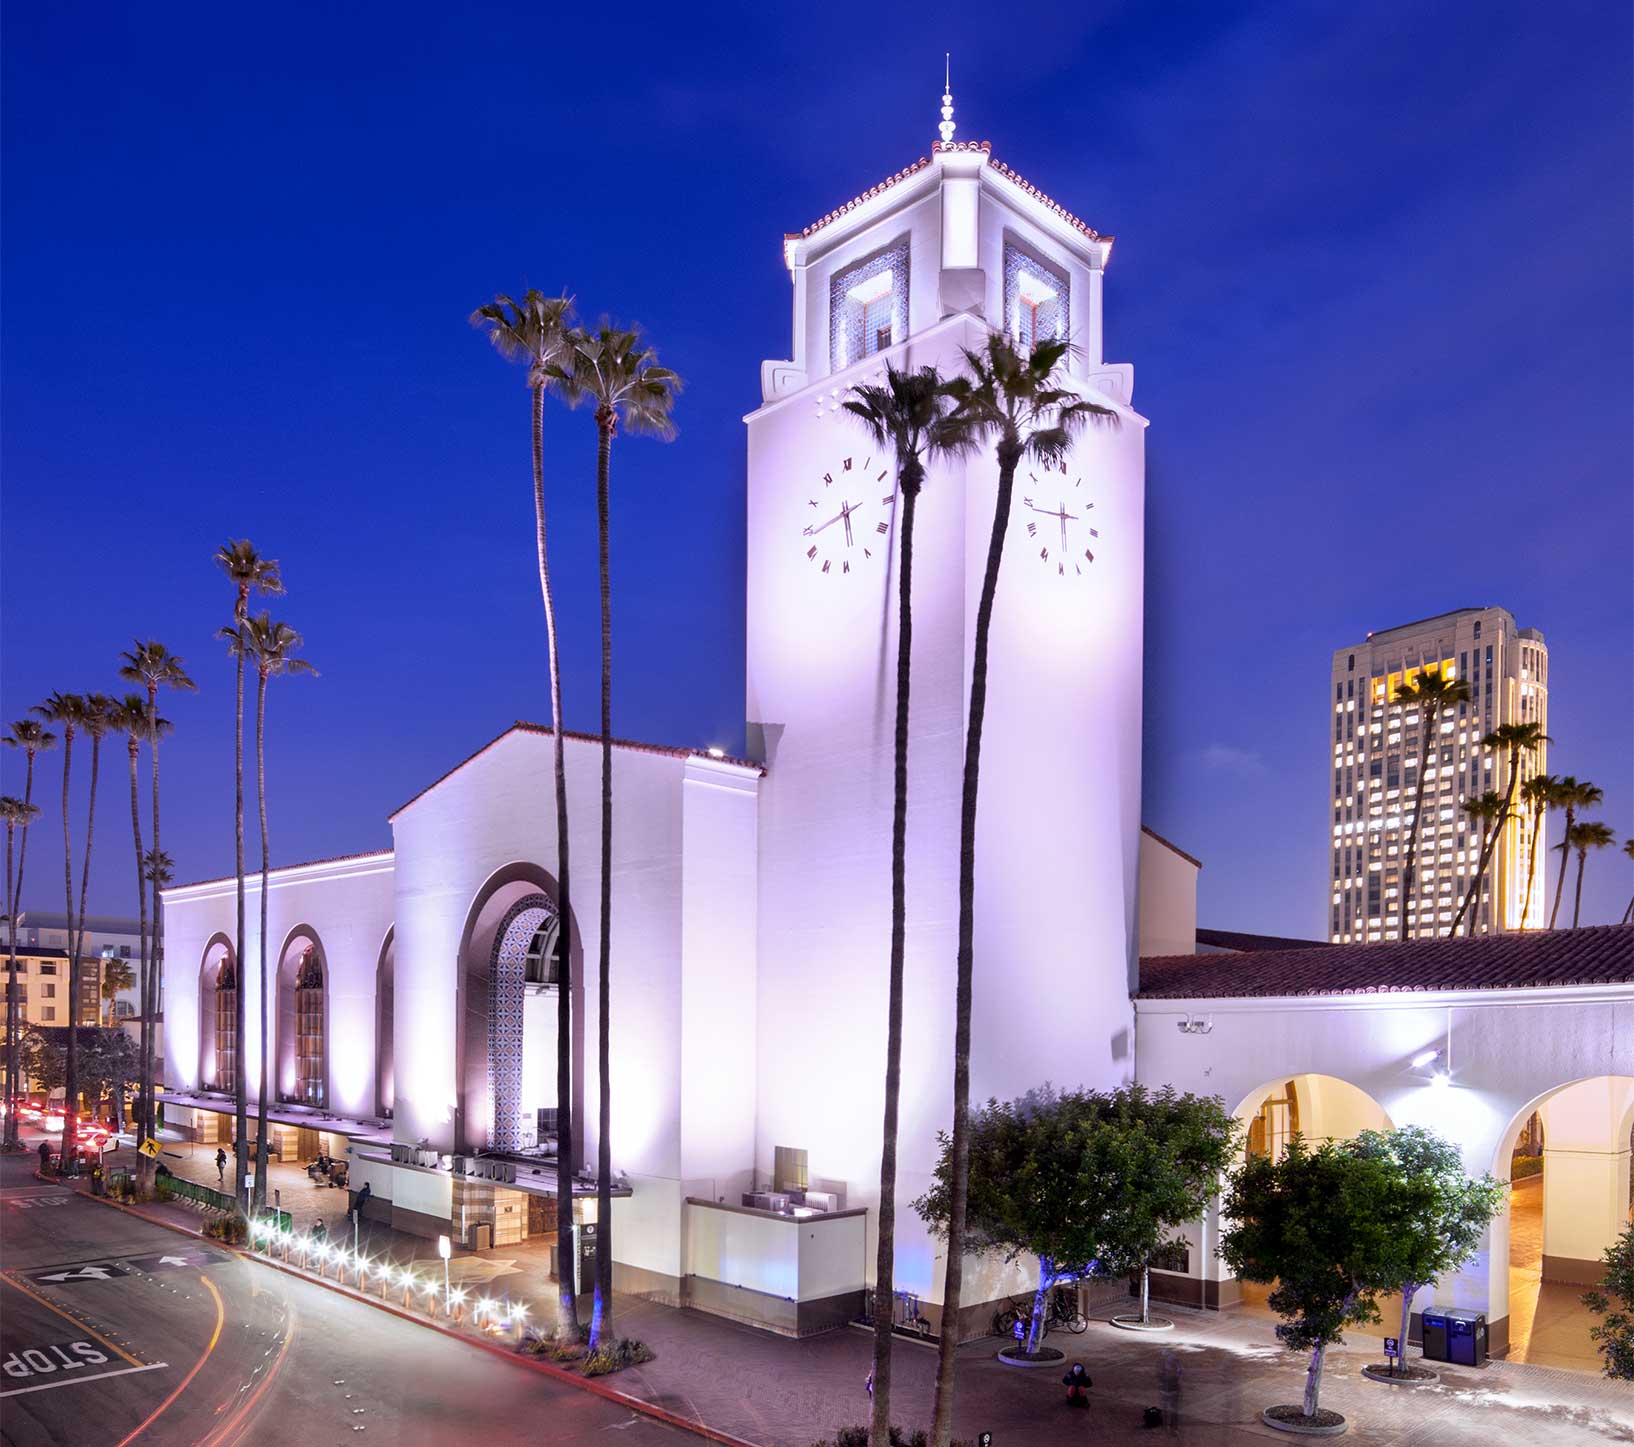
pixel 856 327
pixel 1048 321
pixel 507 975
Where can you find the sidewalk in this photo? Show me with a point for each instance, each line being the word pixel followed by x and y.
pixel 786 1393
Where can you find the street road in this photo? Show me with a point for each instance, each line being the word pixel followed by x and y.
pixel 116 1331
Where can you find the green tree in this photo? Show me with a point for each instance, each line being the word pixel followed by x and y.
pixel 248 572
pixel 16 814
pixel 1572 795
pixel 270 648
pixel 117 977
pixel 1580 838
pixel 1445 1226
pixel 534 331
pixel 1613 1299
pixel 1318 1224
pixel 620 375
pixel 1025 407
pixel 70 712
pixel 1516 740
pixel 1537 795
pixel 908 414
pixel 1432 694
pixel 153 666
pixel 110 1063
pixel 45 1062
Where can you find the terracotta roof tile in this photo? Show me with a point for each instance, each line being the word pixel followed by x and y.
pixel 857 201
pixel 1045 201
pixel 1600 955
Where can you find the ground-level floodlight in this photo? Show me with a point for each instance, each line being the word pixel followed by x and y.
pixel 1424 1057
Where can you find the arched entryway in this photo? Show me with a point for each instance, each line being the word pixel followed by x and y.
pixel 509 975
pixel 219 1053
pixel 1566 1155
pixel 385 1025
pixel 302 1051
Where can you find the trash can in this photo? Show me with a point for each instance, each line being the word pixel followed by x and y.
pixel 482 1236
pixel 1466 1333
pixel 1436 1335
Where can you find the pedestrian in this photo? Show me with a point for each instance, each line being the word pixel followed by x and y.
pixel 221 1167
pixel 45 1158
pixel 1168 1388
pixel 1077 1383
pixel 360 1200
pixel 868 1386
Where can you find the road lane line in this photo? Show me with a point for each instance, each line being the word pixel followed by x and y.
pixel 231 1430
pixel 81 1381
pixel 215 1336
pixel 73 1321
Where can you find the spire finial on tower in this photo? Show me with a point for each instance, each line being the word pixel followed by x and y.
pixel 947 127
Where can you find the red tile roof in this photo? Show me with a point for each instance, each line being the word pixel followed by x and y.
pixel 1600 955
pixel 983 147
pixel 1236 942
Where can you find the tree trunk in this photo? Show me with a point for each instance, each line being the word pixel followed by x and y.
pixel 1410 871
pixel 601 1315
pixel 156 971
pixel 1313 1381
pixel 885 1258
pixel 77 965
pixel 13 1025
pixel 1488 845
pixel 1408 1291
pixel 241 1084
pixel 567 1308
pixel 959 1174
pixel 145 1168
pixel 261 805
pixel 1577 899
pixel 1628 914
pixel 1565 858
pixel 1531 862
pixel 70 1088
pixel 1041 1301
pixel 1145 1292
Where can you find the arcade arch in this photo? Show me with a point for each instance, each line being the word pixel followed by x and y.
pixel 302 1058
pixel 510 971
pixel 218 1029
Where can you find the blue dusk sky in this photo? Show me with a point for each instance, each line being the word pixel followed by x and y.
pixel 1373 270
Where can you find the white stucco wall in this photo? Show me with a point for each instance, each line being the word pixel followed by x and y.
pixel 1168 899
pixel 346 903
pixel 1508 1051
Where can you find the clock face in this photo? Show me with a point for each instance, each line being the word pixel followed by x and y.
pixel 1057 519
pixel 848 510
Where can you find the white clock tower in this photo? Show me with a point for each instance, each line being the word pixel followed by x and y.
pixel 911 271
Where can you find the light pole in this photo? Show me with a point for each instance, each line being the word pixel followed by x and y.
pixel 445 1249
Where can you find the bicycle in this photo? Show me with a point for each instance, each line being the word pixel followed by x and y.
pixel 1061 1310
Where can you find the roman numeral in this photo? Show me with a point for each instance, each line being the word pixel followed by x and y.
pixel 882 527
pixel 1094 532
pixel 847 464
pixel 1060 570
pixel 811 502
pixel 881 477
pixel 889 500
pixel 827 564
pixel 828 479
pixel 867 552
pixel 846 567
pixel 1089 555
pixel 811 552
pixel 1044 553
pixel 1032 530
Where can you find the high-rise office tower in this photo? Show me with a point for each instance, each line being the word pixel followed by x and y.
pixel 1377 747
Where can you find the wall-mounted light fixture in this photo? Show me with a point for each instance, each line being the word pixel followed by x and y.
pixel 1424 1057
pixel 1191 1025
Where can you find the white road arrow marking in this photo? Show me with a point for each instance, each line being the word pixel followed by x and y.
pixel 84 1273
pixel 173 1260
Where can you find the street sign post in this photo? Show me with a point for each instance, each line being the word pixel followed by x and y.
pixel 149 1148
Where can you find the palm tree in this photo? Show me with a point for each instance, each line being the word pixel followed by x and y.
pixel 1590 834
pixel 16 815
pixel 613 369
pixel 1628 849
pixel 1514 739
pixel 95 724
pixel 154 666
pixel 117 977
pixel 533 331
pixel 71 713
pixel 1432 694
pixel 270 646
pixel 247 571
pixel 1018 401
pixel 32 737
pixel 1572 795
pixel 1536 794
pixel 908 415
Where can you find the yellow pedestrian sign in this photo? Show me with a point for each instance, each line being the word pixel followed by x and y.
pixel 149 1148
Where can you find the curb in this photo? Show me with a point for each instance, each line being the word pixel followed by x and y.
pixel 548 1369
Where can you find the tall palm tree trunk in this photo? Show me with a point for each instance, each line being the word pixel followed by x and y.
pixel 885 1258
pixel 156 963
pixel 1488 844
pixel 144 1083
pixel 70 1089
pixel 265 1007
pixel 567 1306
pixel 601 1316
pixel 1531 861
pixel 76 965
pixel 1410 869
pixel 240 1012
pixel 13 1025
pixel 1577 896
pixel 1565 859
pixel 959 1175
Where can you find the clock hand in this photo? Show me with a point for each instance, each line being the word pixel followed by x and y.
pixel 812 529
pixel 845 511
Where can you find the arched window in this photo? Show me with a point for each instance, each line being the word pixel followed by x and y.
pixel 226 1027
pixel 544 957
pixel 1277 1122
pixel 309 1041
